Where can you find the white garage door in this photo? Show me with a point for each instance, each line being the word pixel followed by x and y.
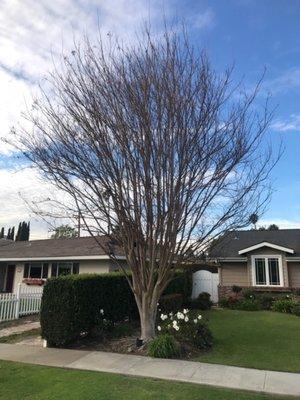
pixel 205 281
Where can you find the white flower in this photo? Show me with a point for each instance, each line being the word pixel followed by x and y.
pixel 195 321
pixel 185 311
pixel 180 315
pixel 176 328
pixel 199 316
pixel 186 319
pixel 159 328
pixel 101 311
pixel 171 314
pixel 175 323
pixel 163 317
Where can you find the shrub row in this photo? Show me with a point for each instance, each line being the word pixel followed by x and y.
pixel 253 301
pixel 71 304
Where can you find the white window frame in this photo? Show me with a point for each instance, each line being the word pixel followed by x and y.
pixel 34 264
pixel 65 262
pixel 267 257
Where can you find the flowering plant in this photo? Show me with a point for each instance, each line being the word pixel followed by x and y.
pixel 186 326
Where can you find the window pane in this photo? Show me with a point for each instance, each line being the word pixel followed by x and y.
pixel 260 271
pixel 274 271
pixel 64 269
pixel 35 271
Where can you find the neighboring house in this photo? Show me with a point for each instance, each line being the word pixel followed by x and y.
pixel 34 261
pixel 265 260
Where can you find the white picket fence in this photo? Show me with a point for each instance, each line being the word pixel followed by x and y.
pixel 26 301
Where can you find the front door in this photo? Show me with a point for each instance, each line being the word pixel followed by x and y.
pixel 10 278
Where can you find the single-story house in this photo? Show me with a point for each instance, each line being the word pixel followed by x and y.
pixel 266 260
pixel 32 262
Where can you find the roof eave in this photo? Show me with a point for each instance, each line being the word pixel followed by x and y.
pixel 266 244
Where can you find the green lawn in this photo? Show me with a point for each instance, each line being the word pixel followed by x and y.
pixel 20 381
pixel 255 339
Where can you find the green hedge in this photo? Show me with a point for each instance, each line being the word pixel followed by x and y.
pixel 71 304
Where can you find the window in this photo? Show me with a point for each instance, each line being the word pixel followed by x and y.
pixel 36 270
pixel 64 268
pixel 267 271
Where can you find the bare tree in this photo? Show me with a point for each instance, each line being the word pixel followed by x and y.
pixel 156 149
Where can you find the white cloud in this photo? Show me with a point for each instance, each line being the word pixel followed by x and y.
pixel 15 185
pixel 205 19
pixel 287 80
pixel 282 223
pixel 285 125
pixel 33 34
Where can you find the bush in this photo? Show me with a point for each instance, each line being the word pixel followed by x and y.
pixel 202 302
pixel 164 346
pixel 71 305
pixel 223 302
pixel 187 327
pixel 181 283
pixel 171 302
pixel 266 300
pixel 296 309
pixel 283 305
pixel 236 289
pixel 248 305
pixel 249 294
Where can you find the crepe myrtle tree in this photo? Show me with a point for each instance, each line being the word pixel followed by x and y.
pixel 157 151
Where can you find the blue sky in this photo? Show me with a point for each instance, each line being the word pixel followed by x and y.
pixel 252 34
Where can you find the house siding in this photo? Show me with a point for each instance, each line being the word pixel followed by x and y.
pixel 85 267
pixel 234 274
pixel 240 273
pixel 270 252
pixel 294 274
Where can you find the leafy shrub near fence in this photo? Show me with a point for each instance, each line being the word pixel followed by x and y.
pixel 202 302
pixel 71 304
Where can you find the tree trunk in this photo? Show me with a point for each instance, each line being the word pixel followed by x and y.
pixel 147 311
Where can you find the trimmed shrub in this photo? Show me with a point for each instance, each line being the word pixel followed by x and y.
pixel 181 283
pixel 284 305
pixel 164 346
pixel 171 302
pixel 202 302
pixel 296 309
pixel 248 305
pixel 71 304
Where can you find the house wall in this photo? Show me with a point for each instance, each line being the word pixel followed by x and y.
pixel 234 273
pixel 85 267
pixel 240 273
pixel 294 274
pixel 2 276
pixel 268 251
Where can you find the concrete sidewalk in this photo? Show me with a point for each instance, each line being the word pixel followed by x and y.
pixel 185 371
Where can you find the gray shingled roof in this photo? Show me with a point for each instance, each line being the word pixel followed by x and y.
pixel 232 242
pixel 84 246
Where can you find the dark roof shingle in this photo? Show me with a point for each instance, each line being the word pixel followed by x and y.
pixel 83 246
pixel 230 244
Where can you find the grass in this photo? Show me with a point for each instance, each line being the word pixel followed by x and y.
pixel 255 339
pixel 17 337
pixel 28 382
